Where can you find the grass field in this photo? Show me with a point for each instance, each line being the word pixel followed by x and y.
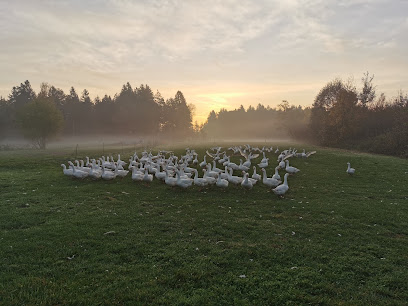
pixel 333 239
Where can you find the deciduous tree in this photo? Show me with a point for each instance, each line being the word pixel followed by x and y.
pixel 40 120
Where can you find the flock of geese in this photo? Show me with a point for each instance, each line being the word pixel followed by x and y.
pixel 183 171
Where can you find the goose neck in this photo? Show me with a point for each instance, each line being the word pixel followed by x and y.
pixel 285 181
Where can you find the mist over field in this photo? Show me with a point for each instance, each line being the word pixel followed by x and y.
pixel 344 114
pixel 100 142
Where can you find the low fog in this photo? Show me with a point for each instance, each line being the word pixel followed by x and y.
pixel 341 116
pixel 126 143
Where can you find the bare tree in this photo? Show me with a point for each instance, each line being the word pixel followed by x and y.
pixel 367 94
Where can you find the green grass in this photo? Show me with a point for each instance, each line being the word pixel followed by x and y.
pixel 333 239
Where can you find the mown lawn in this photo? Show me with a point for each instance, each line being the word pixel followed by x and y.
pixel 333 239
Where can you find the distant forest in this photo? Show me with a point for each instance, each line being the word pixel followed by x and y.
pixel 134 111
pixel 341 116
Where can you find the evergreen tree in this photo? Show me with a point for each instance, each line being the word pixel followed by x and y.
pixel 21 95
pixel 177 116
pixel 58 97
pixel 5 122
pixel 104 112
pixel 72 112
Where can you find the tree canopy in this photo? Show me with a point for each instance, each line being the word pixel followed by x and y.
pixel 343 116
pixel 133 111
pixel 40 120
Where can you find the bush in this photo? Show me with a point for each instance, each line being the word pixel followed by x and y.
pixel 389 143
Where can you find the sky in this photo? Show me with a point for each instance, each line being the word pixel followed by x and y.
pixel 220 54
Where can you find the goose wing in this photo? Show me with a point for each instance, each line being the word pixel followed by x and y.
pixel 287 156
pixel 310 153
pixel 244 154
pixel 210 154
pixel 254 156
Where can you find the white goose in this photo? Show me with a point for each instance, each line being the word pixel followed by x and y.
pixel 210 172
pixel 246 183
pixel 88 164
pixel 136 175
pixel 120 173
pixel 161 175
pixel 199 181
pixel 247 163
pixel 264 159
pixel 263 164
pixel 107 175
pixel 147 177
pixel 95 174
pixel 349 169
pixel 214 168
pixel 183 183
pixel 234 179
pixel 105 163
pixel 224 175
pixel 222 183
pixel 204 162
pixel 96 166
pixel 227 161
pixel 242 167
pixel 232 165
pixel 83 168
pixel 283 188
pixel 188 169
pixel 120 162
pixel 223 160
pixel 151 168
pixel 184 175
pixel 252 180
pixel 78 173
pixel 276 176
pixel 255 175
pixel 268 181
pixel 291 170
pixel 169 180
pixel 211 180
pixel 67 172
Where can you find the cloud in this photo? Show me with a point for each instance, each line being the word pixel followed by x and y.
pixel 106 36
pixel 222 46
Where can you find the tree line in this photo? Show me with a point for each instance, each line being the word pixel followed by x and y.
pixel 134 112
pixel 341 116
pixel 260 122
